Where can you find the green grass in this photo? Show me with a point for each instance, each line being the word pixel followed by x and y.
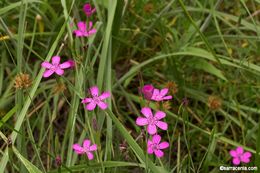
pixel 210 49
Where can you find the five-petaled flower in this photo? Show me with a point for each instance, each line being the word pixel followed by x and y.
pixel 85 149
pixel 55 66
pixel 88 9
pixel 154 146
pixel 84 30
pixel 147 91
pixel 240 156
pixel 160 95
pixel 152 121
pixel 96 99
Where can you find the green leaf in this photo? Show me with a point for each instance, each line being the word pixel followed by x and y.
pixel 202 64
pixel 8 115
pixel 91 166
pixel 29 166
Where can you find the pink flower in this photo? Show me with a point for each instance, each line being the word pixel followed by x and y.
pixel 96 100
pixel 88 9
pixel 147 91
pixel 86 149
pixel 240 156
pixel 160 95
pixel 85 30
pixel 72 63
pixel 155 146
pixel 55 66
pixel 152 121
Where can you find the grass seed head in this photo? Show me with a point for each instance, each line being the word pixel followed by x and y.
pixel 22 81
pixel 214 102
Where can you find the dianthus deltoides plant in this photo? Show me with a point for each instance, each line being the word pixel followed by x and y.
pixel 85 147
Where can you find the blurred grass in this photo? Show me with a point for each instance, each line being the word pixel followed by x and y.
pixel 209 49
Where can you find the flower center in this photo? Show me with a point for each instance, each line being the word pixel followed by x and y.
pixel 96 99
pixel 151 120
pixel 155 146
pixel 55 67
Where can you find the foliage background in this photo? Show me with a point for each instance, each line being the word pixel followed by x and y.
pixel 206 52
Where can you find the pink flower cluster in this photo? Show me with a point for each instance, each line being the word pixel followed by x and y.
pixel 85 29
pixel 152 121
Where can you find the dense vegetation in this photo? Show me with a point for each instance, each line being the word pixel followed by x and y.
pixel 206 53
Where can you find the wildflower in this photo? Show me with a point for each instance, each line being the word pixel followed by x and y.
pixel 85 149
pixel 160 95
pixel 96 100
pixel 152 121
pixel 240 156
pixel 154 146
pixel 88 9
pixel 55 66
pixel 22 81
pixel 85 30
pixel 147 90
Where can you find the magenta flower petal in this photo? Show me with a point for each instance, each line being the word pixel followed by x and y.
pixel 82 26
pixel 90 155
pixel 93 147
pixel 164 91
pixel 163 145
pixel 156 139
pixel 46 64
pixel 48 73
pixel 162 125
pixel 86 143
pixel 239 150
pixel 91 106
pixel 55 60
pixel 104 95
pixel 102 105
pixel 78 149
pixel 151 129
pixel 236 161
pixel 78 33
pixel 167 98
pixel 94 91
pixel 72 63
pixel 91 32
pixel 158 153
pixel 147 112
pixel 156 92
pixel 59 71
pixel 246 155
pixel 141 121
pixel 90 25
pixel 233 153
pixel 65 65
pixel 159 115
pixel 86 100
pixel 150 150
